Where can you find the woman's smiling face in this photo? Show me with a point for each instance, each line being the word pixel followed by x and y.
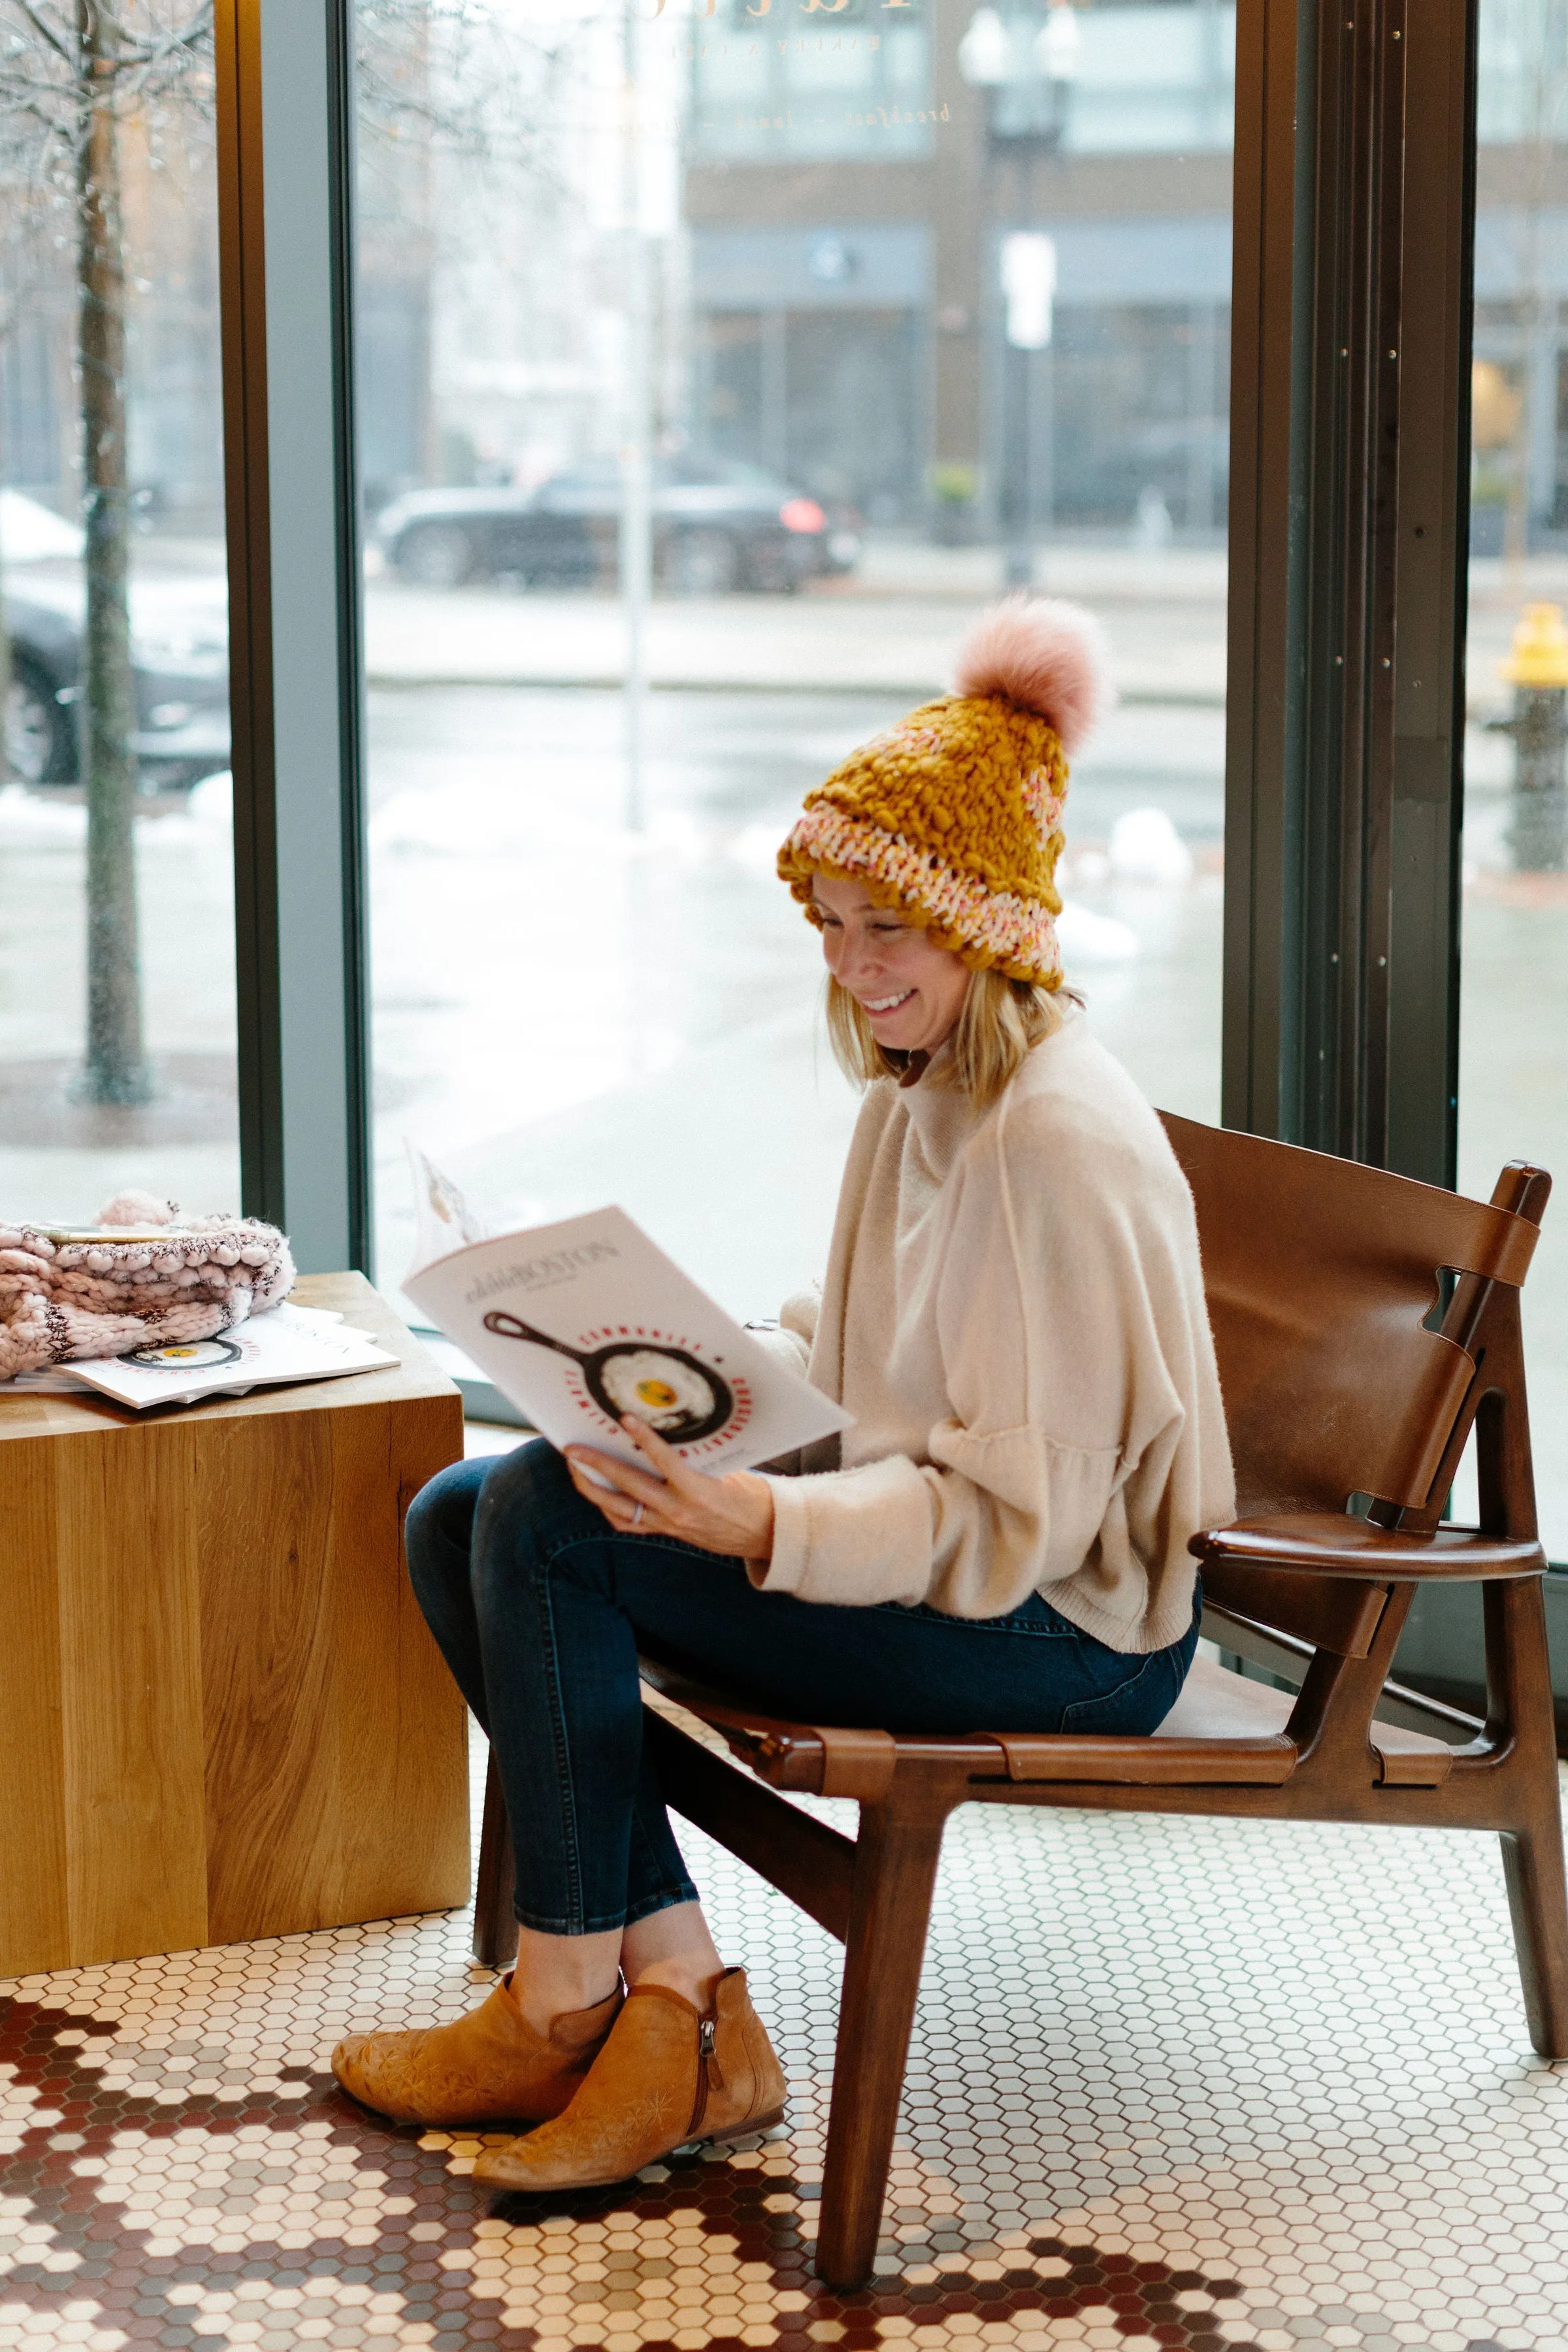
pixel 911 991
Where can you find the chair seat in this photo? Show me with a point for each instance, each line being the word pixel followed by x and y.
pixel 1223 1731
pixel 1215 1704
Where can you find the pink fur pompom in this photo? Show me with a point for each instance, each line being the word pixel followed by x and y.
pixel 137 1209
pixel 1045 655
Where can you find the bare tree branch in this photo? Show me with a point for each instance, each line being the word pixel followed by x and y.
pixel 43 30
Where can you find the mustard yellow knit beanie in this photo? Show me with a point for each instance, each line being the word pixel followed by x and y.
pixel 955 814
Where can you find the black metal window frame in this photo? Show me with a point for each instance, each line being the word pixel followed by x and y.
pixel 1355 236
pixel 286 197
pixel 1350 341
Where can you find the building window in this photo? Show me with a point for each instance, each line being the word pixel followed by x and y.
pixel 852 83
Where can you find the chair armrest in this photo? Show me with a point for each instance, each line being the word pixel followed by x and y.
pixel 1330 1543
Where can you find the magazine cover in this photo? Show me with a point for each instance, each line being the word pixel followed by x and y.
pixel 583 1322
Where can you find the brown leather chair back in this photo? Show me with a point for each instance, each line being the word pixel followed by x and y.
pixel 1321 1275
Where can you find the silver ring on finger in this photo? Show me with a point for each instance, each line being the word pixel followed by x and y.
pixel 637 1516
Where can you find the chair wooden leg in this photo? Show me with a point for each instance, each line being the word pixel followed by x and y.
pixel 1518 1681
pixel 1538 1899
pixel 895 1871
pixel 495 1929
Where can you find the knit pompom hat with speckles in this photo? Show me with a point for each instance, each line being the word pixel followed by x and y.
pixel 955 814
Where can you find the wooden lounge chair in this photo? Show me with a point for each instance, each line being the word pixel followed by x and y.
pixel 1350 1400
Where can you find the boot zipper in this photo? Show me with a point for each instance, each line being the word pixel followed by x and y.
pixel 706 2029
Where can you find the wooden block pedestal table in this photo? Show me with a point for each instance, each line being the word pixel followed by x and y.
pixel 221 1713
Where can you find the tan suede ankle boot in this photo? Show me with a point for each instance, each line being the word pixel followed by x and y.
pixel 666 2075
pixel 490 2066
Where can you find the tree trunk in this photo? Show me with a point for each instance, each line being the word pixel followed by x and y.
pixel 116 1069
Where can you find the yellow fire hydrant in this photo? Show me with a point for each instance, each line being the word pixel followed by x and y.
pixel 1537 669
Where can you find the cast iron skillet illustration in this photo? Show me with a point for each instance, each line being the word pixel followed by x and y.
pixel 183 1356
pixel 670 1390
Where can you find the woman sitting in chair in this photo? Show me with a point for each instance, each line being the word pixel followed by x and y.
pixel 1013 1312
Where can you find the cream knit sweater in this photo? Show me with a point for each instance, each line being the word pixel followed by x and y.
pixel 1014 1312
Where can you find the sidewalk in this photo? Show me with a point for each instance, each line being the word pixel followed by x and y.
pixel 889 628
pixel 839 637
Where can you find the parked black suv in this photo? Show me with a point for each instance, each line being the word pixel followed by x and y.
pixel 717 526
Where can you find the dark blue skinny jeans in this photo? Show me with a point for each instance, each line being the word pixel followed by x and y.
pixel 541 1608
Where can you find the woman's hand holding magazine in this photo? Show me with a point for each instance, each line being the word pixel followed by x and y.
pixel 732 1514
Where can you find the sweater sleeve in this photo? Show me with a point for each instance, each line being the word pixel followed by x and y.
pixel 973 1531
pixel 1056 1269
pixel 790 1344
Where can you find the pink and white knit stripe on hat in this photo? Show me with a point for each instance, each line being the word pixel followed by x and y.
pixel 989 928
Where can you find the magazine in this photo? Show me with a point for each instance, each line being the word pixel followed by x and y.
pixel 581 1323
pixel 287 1343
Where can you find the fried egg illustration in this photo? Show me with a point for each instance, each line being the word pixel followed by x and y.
pixel 183 1356
pixel 659 1388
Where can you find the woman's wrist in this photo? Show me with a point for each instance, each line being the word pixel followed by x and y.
pixel 760 1494
pixel 659 1496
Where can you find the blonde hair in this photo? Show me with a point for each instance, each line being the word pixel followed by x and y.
pixel 1001 1020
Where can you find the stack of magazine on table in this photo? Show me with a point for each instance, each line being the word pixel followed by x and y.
pixel 287 1343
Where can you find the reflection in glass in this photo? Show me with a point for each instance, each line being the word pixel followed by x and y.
pixel 761 248
pixel 116 927
pixel 1514 1086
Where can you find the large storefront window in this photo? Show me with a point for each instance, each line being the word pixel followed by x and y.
pixel 717 365
pixel 117 995
pixel 1513 1090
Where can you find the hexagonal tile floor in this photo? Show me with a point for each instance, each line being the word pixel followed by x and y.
pixel 1186 2083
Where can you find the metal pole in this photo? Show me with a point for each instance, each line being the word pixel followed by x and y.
pixel 1537 668
pixel 1046 360
pixel 1538 826
pixel 1017 419
pixel 286 185
pixel 636 456
pixel 1031 464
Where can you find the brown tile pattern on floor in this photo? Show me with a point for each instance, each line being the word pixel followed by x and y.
pixel 1192 2085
